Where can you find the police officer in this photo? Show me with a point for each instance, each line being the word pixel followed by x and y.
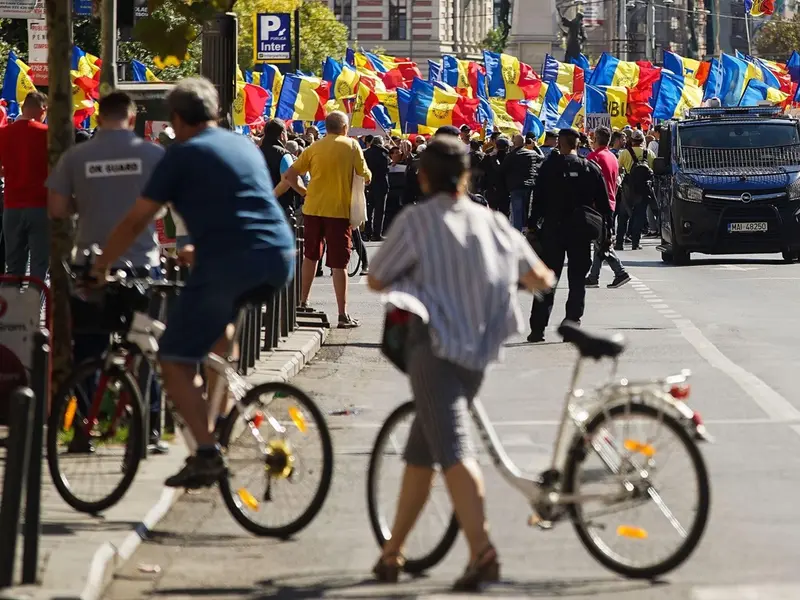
pixel 99 181
pixel 564 185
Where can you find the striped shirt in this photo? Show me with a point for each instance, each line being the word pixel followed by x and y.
pixel 463 263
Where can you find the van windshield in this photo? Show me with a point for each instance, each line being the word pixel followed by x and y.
pixel 739 135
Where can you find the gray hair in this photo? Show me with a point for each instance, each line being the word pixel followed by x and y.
pixel 336 122
pixel 194 100
pixel 292 146
pixel 377 141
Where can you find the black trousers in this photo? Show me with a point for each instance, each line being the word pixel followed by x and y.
pixel 376 207
pixel 632 224
pixel 555 249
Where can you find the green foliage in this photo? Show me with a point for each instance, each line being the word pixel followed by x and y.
pixel 321 35
pixel 495 40
pixel 13 36
pixel 778 38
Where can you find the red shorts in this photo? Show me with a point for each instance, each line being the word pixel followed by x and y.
pixel 336 233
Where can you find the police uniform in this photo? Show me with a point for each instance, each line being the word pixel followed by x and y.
pixel 105 175
pixel 564 184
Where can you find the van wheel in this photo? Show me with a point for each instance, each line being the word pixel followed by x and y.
pixel 680 257
pixel 789 256
pixel 667 257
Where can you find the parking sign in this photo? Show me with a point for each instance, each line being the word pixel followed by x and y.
pixel 271 38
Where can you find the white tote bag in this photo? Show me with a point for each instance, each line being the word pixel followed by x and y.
pixel 358 201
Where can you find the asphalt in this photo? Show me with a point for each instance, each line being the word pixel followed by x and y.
pixel 732 321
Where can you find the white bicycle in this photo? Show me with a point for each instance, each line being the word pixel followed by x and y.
pixel 603 468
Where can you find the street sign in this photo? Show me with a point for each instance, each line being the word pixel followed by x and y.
pixel 271 43
pixel 37 51
pixel 82 8
pixel 595 120
pixel 22 9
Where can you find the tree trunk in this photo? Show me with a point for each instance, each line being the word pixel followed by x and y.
pixel 61 136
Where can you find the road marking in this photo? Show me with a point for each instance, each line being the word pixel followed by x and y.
pixel 747 592
pixel 774 405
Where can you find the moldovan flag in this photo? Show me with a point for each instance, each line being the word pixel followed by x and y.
pixel 509 78
pixel 17 84
pixel 343 78
pixel 271 79
pixel 434 107
pixel 142 73
pixel 302 99
pixel 502 120
pixel 675 95
pixel 249 104
pixel 366 100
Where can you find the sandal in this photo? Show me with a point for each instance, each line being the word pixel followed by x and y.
pixel 348 322
pixel 483 569
pixel 388 567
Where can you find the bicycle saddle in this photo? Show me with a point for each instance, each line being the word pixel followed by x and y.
pixel 591 346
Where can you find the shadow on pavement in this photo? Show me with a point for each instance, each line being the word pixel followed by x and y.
pixel 199 540
pixel 701 262
pixel 68 528
pixel 353 345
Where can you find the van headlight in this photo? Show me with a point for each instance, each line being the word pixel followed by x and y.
pixel 690 193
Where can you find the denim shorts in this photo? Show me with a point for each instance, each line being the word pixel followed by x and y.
pixel 198 316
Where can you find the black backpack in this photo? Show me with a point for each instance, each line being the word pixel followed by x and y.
pixel 641 176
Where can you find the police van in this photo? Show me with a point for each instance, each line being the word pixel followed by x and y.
pixel 728 182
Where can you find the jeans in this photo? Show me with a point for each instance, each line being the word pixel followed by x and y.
pixel 555 248
pixel 631 224
pixel 610 256
pixel 27 232
pixel 520 204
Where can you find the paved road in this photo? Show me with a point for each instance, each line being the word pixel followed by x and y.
pixel 733 321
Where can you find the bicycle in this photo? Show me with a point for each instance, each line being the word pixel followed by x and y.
pixel 559 492
pixel 80 421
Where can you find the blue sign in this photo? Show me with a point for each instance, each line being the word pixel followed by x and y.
pixel 82 8
pixel 271 38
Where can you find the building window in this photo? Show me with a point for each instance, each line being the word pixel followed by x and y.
pixel 343 9
pixel 398 20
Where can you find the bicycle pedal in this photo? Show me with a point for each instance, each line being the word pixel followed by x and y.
pixel 536 521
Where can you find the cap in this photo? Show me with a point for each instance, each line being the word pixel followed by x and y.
pixel 447 130
pixel 465 128
pixel 569 132
pixel 503 141
pixel 637 136
pixel 551 133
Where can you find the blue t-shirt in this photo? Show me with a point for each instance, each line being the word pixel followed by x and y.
pixel 218 182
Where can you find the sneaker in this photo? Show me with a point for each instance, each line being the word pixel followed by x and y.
pixel 348 322
pixel 591 283
pixel 365 271
pixel 199 471
pixel 619 280
pixel 535 337
pixel 156 445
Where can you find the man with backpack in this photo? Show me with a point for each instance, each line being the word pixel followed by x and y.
pixel 636 162
pixel 568 195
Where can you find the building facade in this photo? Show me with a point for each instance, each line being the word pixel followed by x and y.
pixel 418 29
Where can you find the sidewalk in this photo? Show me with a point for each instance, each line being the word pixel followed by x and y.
pixel 80 553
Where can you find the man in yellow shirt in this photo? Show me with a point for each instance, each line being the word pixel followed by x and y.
pixel 632 210
pixel 331 162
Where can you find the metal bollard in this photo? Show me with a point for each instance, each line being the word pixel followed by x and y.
pixel 22 410
pixel 252 327
pixel 285 311
pixel 258 319
pixel 244 344
pixel 269 325
pixel 32 528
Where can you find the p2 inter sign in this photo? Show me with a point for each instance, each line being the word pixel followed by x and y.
pixel 271 39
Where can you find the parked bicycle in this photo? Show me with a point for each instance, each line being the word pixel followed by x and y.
pixel 274 437
pixel 602 468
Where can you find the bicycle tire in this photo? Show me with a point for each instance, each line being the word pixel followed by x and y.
pixel 683 552
pixel 415 564
pixel 313 509
pixel 135 437
pixel 354 265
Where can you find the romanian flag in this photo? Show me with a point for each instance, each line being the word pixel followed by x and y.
pixel 250 104
pixel 434 107
pixel 84 96
pixel 583 62
pixel 86 64
pixel 455 72
pixel 371 79
pixel 611 71
pixel 757 91
pixel 142 73
pixel 365 101
pixel 569 77
pixel 17 84
pixel 271 80
pixel 302 99
pixel 509 78
pixel 501 119
pixel 759 8
pixel 608 99
pixel 736 73
pixel 680 66
pixel 675 95
pixel 573 115
pixel 342 77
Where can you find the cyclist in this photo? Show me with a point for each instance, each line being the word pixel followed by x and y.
pixel 216 180
pixel 463 263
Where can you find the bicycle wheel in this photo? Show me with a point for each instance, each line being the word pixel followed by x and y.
pixel 636 439
pixel 269 471
pixel 354 266
pixel 437 528
pixel 93 467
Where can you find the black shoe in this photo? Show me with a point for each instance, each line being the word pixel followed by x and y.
pixel 364 270
pixel 575 322
pixel 636 247
pixel 199 471
pixel 80 444
pixel 619 280
pixel 535 337
pixel 348 322
pixel 591 283
pixel 619 248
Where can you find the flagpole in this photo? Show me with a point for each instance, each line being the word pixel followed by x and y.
pixel 747 29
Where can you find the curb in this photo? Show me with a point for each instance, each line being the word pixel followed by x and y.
pixel 284 363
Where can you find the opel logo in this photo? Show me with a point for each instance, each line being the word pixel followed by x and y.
pixel 747 198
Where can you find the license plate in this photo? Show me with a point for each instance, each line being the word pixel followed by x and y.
pixel 747 227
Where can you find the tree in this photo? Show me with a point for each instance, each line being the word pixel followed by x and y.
pixel 778 38
pixel 495 41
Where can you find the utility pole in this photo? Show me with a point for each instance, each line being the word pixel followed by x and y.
pixel 650 36
pixel 108 35
pixel 717 45
pixel 623 29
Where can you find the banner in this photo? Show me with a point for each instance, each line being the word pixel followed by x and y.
pixel 37 51
pixel 22 9
pixel 271 43
pixel 595 120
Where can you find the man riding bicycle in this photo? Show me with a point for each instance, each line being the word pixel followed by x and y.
pixel 218 182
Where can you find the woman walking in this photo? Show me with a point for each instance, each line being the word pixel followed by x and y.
pixel 464 264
